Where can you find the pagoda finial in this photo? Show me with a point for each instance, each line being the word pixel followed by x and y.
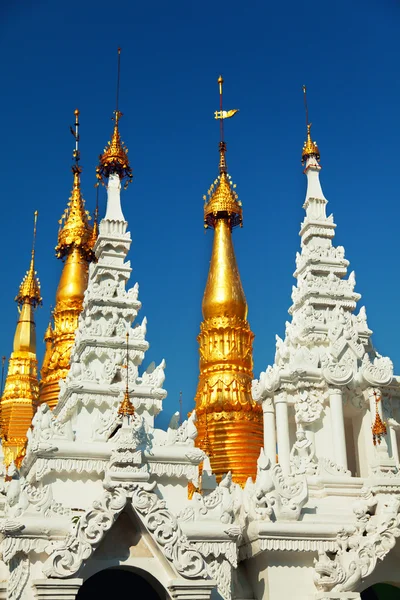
pixel 29 290
pixel 75 231
pixel 114 159
pixel 310 148
pixel 223 201
pixel 126 407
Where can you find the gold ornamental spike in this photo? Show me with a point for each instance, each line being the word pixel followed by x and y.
pixel 310 148
pixel 223 201
pixel 29 290
pixel 75 231
pixel 114 159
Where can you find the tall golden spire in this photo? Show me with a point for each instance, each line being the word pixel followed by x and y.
pixel 75 243
pixel 21 390
pixel 310 148
pixel 229 421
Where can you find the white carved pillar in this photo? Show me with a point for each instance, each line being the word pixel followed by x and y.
pixel 393 443
pixel 338 434
pixel 269 430
pixel 56 589
pixel 194 589
pixel 282 432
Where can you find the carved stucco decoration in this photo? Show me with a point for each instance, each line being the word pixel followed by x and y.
pixel 67 557
pixel 308 406
pixel 274 496
pixel 377 372
pixel 374 534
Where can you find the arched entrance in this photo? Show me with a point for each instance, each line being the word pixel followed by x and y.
pixel 381 591
pixel 110 583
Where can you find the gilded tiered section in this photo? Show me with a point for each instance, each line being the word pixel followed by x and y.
pixel 229 421
pixel 75 246
pixel 115 156
pixel 310 147
pixel 21 390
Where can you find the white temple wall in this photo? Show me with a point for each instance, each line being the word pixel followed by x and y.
pixel 174 491
pixel 323 436
pixel 283 575
pixel 74 490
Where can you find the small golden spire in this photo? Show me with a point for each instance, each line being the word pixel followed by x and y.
pixel 29 290
pixel 75 231
pixel 49 333
pixel 126 408
pixel 223 201
pixel 95 228
pixel 115 155
pixel 310 148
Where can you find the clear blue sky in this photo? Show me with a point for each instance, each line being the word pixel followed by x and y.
pixel 57 56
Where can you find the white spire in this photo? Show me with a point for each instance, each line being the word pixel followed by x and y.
pixel 114 210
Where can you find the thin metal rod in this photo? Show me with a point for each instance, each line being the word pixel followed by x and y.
pixel 118 78
pixel 305 104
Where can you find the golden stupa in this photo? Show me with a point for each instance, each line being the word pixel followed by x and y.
pixel 75 247
pixel 230 426
pixel 21 390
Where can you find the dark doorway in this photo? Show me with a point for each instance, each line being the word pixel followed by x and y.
pixel 381 591
pixel 116 583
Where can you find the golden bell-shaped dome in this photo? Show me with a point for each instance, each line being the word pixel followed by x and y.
pixel 115 156
pixel 223 200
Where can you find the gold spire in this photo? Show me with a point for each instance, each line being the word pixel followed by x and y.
pixel 75 243
pixel 75 231
pixel 310 148
pixel 115 155
pixel 29 290
pixel 19 400
pixel 229 421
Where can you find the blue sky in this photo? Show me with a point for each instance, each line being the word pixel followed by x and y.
pixel 57 56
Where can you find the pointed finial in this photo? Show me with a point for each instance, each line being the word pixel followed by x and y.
pixel 75 231
pixel 118 79
pixel 223 200
pixel 126 408
pixel 114 159
pixel 29 290
pixel 310 148
pixel 76 153
pixel 221 115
